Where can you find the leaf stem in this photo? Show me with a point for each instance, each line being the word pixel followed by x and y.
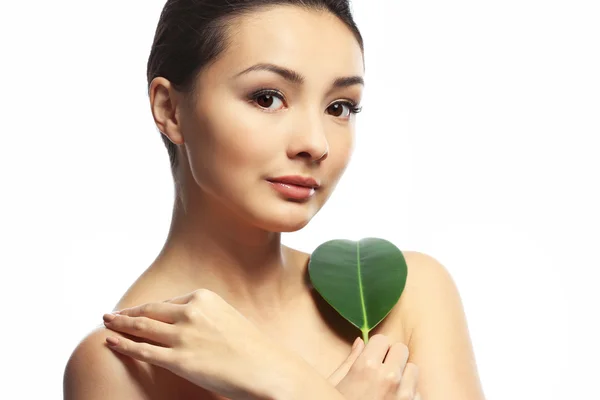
pixel 365 334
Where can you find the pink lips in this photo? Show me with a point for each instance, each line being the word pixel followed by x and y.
pixel 295 187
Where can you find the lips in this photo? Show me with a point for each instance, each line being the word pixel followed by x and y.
pixel 296 180
pixel 297 188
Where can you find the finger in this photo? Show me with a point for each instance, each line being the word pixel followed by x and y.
pixel 375 350
pixel 408 383
pixel 164 312
pixel 396 357
pixel 146 328
pixel 343 369
pixel 418 397
pixel 393 368
pixel 146 352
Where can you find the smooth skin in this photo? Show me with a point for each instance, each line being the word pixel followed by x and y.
pixel 378 370
pixel 225 232
pixel 190 335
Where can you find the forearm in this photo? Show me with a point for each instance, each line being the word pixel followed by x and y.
pixel 297 380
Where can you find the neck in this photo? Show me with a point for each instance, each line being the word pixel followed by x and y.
pixel 210 247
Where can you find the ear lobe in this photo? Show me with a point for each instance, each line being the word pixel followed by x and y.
pixel 173 133
pixel 176 138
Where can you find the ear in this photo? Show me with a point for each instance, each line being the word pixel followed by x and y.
pixel 164 104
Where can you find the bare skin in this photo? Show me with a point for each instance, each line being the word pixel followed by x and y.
pixel 225 232
pixel 306 325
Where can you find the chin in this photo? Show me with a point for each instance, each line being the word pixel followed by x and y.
pixel 285 223
pixel 288 228
pixel 290 217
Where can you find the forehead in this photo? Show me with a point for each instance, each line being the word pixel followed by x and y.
pixel 314 43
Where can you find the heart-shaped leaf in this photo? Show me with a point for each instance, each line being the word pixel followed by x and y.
pixel 361 280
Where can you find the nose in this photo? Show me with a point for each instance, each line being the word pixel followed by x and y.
pixel 309 141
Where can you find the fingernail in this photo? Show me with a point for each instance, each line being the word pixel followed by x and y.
pixel 355 343
pixel 112 341
pixel 108 317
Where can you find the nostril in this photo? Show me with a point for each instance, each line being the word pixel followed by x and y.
pixel 304 154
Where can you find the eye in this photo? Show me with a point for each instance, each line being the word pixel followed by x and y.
pixel 266 98
pixel 338 109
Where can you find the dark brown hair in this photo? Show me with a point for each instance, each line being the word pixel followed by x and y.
pixel 191 34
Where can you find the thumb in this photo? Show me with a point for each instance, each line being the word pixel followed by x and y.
pixel 343 369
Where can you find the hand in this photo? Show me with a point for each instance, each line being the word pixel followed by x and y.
pixel 378 371
pixel 201 338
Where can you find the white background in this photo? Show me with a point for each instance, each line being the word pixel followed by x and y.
pixel 477 144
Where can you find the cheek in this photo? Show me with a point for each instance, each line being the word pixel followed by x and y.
pixel 239 136
pixel 229 153
pixel 341 149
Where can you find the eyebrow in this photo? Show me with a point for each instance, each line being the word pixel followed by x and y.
pixel 298 79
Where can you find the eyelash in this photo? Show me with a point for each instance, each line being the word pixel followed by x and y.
pixel 354 109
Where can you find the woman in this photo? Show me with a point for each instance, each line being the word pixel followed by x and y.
pixel 256 103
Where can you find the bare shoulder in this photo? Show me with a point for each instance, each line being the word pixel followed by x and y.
pixel 94 371
pixel 426 275
pixel 431 308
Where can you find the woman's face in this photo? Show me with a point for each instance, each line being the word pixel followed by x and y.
pixel 247 129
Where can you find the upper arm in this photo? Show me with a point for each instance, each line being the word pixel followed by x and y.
pixel 95 372
pixel 440 344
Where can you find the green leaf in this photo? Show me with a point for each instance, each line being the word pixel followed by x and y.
pixel 361 280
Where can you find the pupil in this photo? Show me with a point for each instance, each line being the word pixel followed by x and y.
pixel 337 107
pixel 268 97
